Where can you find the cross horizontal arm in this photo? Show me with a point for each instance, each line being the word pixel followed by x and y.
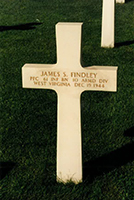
pixel 95 78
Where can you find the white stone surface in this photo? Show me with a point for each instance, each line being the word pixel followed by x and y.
pixel 108 12
pixel 69 79
pixel 120 1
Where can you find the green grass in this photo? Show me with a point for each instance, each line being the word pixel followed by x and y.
pixel 29 117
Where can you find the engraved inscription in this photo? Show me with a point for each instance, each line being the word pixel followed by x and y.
pixel 83 74
pixel 69 79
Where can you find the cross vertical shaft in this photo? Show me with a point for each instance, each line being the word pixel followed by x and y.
pixel 68 37
pixel 69 158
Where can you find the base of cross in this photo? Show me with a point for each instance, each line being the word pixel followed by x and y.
pixel 69 180
pixel 120 1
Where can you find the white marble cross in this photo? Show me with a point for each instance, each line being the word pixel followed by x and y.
pixel 69 79
pixel 120 1
pixel 107 30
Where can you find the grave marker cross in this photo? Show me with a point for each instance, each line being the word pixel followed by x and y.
pixel 107 34
pixel 69 79
pixel 120 1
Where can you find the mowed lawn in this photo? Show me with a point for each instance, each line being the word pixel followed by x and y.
pixel 29 116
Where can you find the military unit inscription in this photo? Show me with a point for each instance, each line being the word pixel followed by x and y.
pixel 88 78
pixel 73 79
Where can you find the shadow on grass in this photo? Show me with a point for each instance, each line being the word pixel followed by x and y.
pixel 27 26
pixel 119 44
pixel 129 133
pixel 5 168
pixel 111 161
pixel 127 1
